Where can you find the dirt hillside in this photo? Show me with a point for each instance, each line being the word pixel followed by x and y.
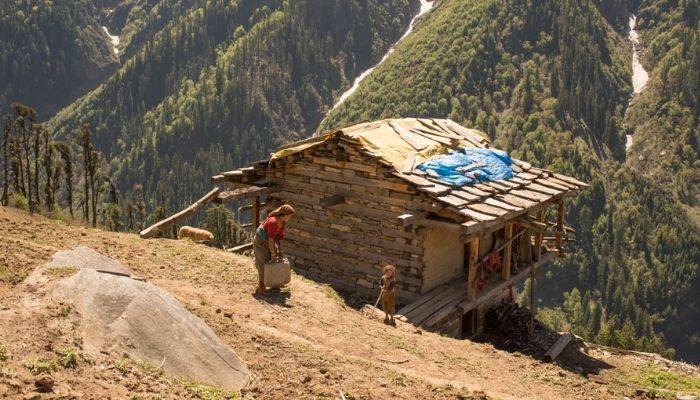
pixel 302 343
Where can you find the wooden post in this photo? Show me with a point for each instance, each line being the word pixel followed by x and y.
pixel 560 225
pixel 539 236
pixel 532 297
pixel 256 212
pixel 473 257
pixel 505 268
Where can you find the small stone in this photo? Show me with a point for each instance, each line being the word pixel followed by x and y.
pixel 34 396
pixel 562 373
pixel 83 233
pixel 218 311
pixel 686 397
pixel 323 370
pixel 44 383
pixel 639 392
pixel 228 314
pixel 306 379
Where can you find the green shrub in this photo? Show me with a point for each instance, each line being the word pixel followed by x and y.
pixel 41 365
pixel 19 201
pixel 69 358
pixel 3 353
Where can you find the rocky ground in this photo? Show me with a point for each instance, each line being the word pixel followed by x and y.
pixel 304 342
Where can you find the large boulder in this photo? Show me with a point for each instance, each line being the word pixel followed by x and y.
pixel 135 317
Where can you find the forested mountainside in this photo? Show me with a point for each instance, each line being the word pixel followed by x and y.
pixel 51 53
pixel 220 83
pixel 550 82
pixel 664 119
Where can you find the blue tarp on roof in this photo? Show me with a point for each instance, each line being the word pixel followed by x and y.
pixel 468 166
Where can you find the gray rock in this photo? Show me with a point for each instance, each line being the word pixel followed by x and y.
pixel 44 383
pixel 123 315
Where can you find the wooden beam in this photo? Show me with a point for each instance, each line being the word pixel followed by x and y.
pixel 469 305
pixel 332 200
pixel 558 347
pixel 218 179
pixel 531 225
pixel 163 225
pixel 538 236
pixel 240 193
pixel 411 219
pixel 256 213
pixel 505 267
pixel 560 224
pixel 241 248
pixel 471 279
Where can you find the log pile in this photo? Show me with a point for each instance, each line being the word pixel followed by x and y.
pixel 508 323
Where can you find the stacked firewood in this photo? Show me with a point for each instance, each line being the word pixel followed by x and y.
pixel 509 322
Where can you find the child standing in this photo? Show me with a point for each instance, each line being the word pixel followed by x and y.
pixel 387 283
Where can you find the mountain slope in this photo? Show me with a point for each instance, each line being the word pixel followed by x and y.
pixel 549 82
pixel 303 343
pixel 224 82
pixel 51 53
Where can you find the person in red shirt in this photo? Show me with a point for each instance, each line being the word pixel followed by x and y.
pixel 267 242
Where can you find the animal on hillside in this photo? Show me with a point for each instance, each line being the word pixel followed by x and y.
pixel 194 234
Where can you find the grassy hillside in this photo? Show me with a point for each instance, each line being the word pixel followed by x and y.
pixel 549 81
pixel 51 53
pixel 303 343
pixel 224 82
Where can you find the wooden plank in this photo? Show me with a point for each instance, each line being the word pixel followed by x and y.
pixel 515 201
pixel 416 141
pixel 543 189
pixel 409 163
pixel 531 195
pixel 471 277
pixel 500 204
pixel 507 250
pixel 436 138
pixel 163 225
pixel 571 180
pixel 522 164
pixel 499 186
pixel 241 248
pixel 527 176
pixel 445 310
pixel 558 347
pixel 331 162
pixel 562 183
pixel 470 134
pixel 475 191
pixel 476 215
pixel 437 305
pixel 422 300
pixel 453 200
pixel 414 179
pixel 486 188
pixel 436 189
pixel 546 182
pixel 421 313
pixel 465 195
pixel 487 209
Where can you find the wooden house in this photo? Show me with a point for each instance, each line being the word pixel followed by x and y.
pixel 361 203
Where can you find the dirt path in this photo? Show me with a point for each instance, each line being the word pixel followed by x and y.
pixel 301 343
